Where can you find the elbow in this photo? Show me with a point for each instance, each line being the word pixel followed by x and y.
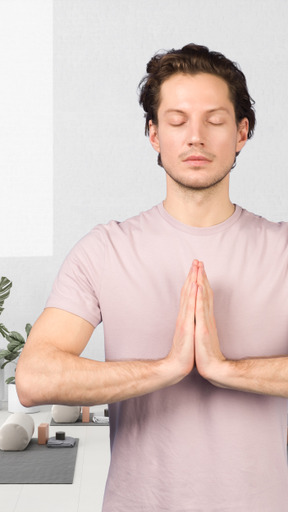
pixel 25 388
pixel 25 399
pixel 24 395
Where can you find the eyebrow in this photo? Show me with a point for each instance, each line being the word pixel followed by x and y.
pixel 174 111
pixel 218 109
pixel 210 111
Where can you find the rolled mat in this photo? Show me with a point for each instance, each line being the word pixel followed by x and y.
pixel 16 432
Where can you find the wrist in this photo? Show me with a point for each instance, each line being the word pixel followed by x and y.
pixel 218 373
pixel 174 370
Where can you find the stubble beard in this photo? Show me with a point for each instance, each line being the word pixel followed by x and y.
pixel 210 183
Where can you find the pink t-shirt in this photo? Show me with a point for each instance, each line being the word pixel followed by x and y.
pixel 190 447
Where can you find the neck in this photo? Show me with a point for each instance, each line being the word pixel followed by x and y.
pixel 199 208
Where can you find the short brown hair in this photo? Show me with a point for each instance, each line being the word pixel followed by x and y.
pixel 194 59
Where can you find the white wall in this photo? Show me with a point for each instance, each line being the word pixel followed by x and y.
pixel 104 167
pixel 26 129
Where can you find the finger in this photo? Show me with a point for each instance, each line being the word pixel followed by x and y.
pixel 192 288
pixel 191 278
pixel 203 281
pixel 188 298
pixel 202 276
pixel 200 307
pixel 202 310
pixel 193 274
pixel 188 303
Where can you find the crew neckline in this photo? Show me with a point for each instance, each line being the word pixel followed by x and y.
pixel 196 230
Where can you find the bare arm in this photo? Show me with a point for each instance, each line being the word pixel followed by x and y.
pixel 51 371
pixel 257 375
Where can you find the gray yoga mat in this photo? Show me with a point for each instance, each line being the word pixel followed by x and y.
pixel 79 422
pixel 38 464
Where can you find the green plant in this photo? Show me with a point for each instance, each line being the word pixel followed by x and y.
pixel 5 286
pixel 15 340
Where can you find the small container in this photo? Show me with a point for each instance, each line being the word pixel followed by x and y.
pixel 60 436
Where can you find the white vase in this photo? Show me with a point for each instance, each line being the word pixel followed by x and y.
pixel 14 404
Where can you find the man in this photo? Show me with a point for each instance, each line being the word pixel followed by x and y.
pixel 197 381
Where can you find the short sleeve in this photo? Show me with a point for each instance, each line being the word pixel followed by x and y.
pixel 77 286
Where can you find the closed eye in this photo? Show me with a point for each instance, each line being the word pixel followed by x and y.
pixel 180 123
pixel 176 120
pixel 216 121
pixel 215 124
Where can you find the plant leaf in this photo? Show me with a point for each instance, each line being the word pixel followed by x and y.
pixel 7 362
pixel 28 328
pixel 15 336
pixel 13 346
pixel 10 380
pixel 5 286
pixel 3 353
pixel 10 357
pixel 3 330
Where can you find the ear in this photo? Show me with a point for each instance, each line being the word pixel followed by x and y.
pixel 242 134
pixel 153 136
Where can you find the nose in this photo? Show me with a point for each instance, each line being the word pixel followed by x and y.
pixel 195 133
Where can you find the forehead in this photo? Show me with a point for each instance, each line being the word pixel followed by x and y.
pixel 201 91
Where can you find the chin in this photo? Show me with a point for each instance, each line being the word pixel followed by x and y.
pixel 199 182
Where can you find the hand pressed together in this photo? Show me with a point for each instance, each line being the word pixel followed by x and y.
pixel 208 354
pixel 196 340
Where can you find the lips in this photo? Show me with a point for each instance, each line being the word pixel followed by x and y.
pixel 196 158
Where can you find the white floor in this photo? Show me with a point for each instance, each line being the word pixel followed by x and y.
pixel 86 492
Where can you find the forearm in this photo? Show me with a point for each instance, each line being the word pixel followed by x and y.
pixel 51 371
pixel 267 376
pixel 69 379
